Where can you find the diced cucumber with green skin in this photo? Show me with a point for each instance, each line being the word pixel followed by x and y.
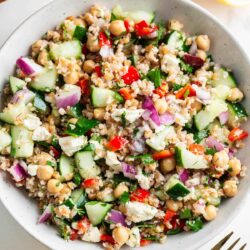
pixel 86 164
pixel 188 160
pixel 46 81
pixel 136 16
pixel 5 139
pixel 70 49
pixel 12 112
pixel 66 166
pixel 101 97
pixel 80 33
pixel 237 113
pixel 78 197
pixel 97 211
pixel 221 92
pixel 207 115
pixel 175 188
pixel 22 144
pixel 158 141
pixel 175 40
pixel 40 104
pixel 16 84
pixel 223 77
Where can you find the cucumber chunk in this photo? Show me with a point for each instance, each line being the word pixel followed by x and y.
pixel 223 77
pixel 66 49
pixel 237 113
pixel 207 115
pixel 66 166
pixel 97 211
pixel 189 160
pixel 78 197
pixel 175 188
pixel 86 165
pixel 80 33
pixel 40 104
pixel 159 140
pixel 175 40
pixel 12 112
pixel 22 144
pixel 16 84
pixel 101 97
pixel 221 92
pixel 45 81
pixel 5 139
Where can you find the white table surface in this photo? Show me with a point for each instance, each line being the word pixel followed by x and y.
pixel 13 12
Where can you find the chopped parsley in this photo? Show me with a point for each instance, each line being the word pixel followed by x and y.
pixel 124 198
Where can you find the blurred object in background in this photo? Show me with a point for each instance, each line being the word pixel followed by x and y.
pixel 2 1
pixel 236 3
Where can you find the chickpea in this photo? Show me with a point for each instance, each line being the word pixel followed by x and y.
pixel 203 42
pixel 72 77
pixel 161 105
pixel 210 212
pixel 235 166
pixel 117 27
pixel 230 188
pixel 54 186
pixel 120 189
pixel 43 57
pixel 89 18
pixel 121 235
pixel 99 113
pixel 196 105
pixel 235 95
pixel 167 165
pixel 93 44
pixel 201 54
pixel 88 66
pixel 45 172
pixel 174 24
pixel 174 205
pixel 43 158
pixel 79 22
pixel 221 159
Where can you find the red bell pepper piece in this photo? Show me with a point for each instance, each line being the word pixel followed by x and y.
pixel 194 61
pixel 103 39
pixel 55 152
pixel 83 225
pixel 127 25
pixel 143 29
pixel 116 143
pixel 126 93
pixel 74 235
pixel 107 238
pixel 131 76
pixel 84 85
pixel 98 71
pixel 185 92
pixel 91 182
pixel 237 134
pixel 144 242
pixel 196 149
pixel 162 90
pixel 169 215
pixel 162 154
pixel 139 195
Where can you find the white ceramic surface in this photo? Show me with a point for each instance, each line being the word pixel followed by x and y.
pixel 225 51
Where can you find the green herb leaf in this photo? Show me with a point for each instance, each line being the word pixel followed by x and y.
pixel 185 214
pixel 200 135
pixel 145 158
pixel 118 178
pixel 75 111
pixel 176 87
pixel 154 75
pixel 146 225
pixel 210 151
pixel 113 17
pixel 80 33
pixel 133 59
pixel 119 98
pixel 174 231
pixel 124 198
pixel 152 238
pixel 195 224
pixel 123 119
pixel 186 67
pixel 77 179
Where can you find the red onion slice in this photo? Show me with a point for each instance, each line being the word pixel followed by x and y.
pixel 167 119
pixel 116 217
pixel 223 117
pixel 24 95
pixel 202 94
pixel 18 170
pixel 194 61
pixel 46 215
pixel 28 66
pixel 128 170
pixel 148 105
pixel 183 175
pixel 213 143
pixel 138 145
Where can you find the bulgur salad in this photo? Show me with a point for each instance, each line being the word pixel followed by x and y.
pixel 122 128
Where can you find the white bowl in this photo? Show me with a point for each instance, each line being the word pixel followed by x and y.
pixel 225 50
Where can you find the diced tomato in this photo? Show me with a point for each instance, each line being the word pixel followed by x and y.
pixel 107 238
pixel 98 71
pixel 162 154
pixel 103 39
pixel 126 93
pixel 73 235
pixel 162 90
pixel 185 92
pixel 84 85
pixel 237 134
pixel 196 149
pixel 91 182
pixel 127 25
pixel 139 195
pixel 169 215
pixel 194 61
pixel 116 143
pixel 84 49
pixel 196 83
pixel 56 153
pixel 131 76
pixel 83 225
pixel 143 29
pixel 144 242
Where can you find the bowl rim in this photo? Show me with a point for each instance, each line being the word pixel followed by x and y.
pixel 208 15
